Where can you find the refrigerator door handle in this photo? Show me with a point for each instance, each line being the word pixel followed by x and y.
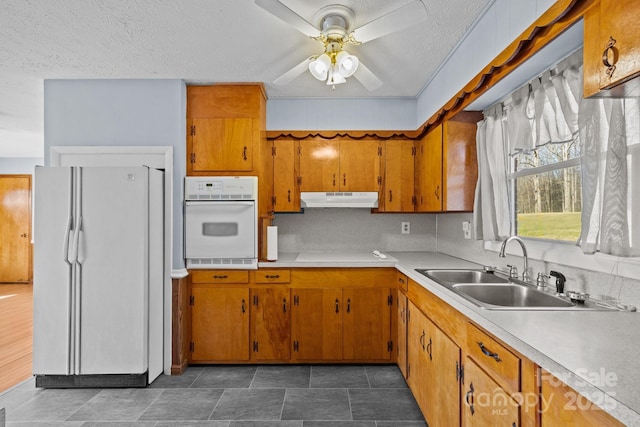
pixel 67 237
pixel 77 251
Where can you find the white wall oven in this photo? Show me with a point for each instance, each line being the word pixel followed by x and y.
pixel 221 222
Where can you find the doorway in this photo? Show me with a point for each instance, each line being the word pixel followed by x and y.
pixel 16 273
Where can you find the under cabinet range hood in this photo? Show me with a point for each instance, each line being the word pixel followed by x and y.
pixel 363 199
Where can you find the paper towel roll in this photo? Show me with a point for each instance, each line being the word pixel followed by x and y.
pixel 272 243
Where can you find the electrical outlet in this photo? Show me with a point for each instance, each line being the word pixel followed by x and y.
pixel 466 229
pixel 406 227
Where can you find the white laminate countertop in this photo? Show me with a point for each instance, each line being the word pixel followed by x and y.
pixel 595 352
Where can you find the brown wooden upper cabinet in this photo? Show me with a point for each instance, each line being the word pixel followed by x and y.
pixel 612 48
pixel 286 165
pixel 339 165
pixel 398 162
pixel 225 128
pixel 446 166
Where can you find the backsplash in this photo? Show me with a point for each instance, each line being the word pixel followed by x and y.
pixel 340 229
pixel 335 229
pixel 599 285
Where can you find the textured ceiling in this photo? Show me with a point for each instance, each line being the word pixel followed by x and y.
pixel 200 41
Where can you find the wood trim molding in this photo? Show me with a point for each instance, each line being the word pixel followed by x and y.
pixel 332 134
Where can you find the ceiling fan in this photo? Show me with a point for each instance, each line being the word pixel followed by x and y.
pixel 332 26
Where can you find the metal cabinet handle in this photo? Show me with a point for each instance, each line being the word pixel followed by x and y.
pixel 422 339
pixel 429 349
pixel 469 398
pixel 437 192
pixel 609 57
pixel 344 179
pixel 402 315
pixel 390 196
pixel 289 196
pixel 276 276
pixel 334 179
pixel 224 276
pixel 284 305
pixel 244 153
pixel 348 305
pixel 401 280
pixel 489 353
pixel 337 305
pixel 243 306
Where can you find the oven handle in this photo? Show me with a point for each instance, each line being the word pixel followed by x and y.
pixel 209 202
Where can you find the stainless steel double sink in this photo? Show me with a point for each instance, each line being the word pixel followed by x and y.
pixel 493 291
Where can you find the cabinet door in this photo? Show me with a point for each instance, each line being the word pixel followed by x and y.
pixel 367 323
pixel 402 333
pixel 428 172
pixel 220 324
pixel 316 324
pixel 398 192
pixel 221 144
pixel 443 387
pixel 15 227
pixel 417 358
pixel 563 406
pixel 484 402
pixel 319 165
pixel 285 176
pixel 459 166
pixel 271 324
pixel 620 20
pixel 359 165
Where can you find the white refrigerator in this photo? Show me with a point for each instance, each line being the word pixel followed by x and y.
pixel 98 276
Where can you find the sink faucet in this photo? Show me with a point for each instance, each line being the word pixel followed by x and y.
pixel 525 273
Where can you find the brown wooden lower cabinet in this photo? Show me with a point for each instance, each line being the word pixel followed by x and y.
pixel 562 406
pixel 485 403
pixel 316 324
pixel 219 324
pixel 270 323
pixel 434 362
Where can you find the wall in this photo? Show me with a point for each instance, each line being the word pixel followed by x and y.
pixel 600 285
pixel 342 114
pixel 19 165
pixel 344 229
pixel 121 113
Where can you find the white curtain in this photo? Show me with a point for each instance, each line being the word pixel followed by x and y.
pixel 610 138
pixel 550 109
pixel 492 207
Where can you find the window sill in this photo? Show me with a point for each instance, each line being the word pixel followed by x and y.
pixel 570 255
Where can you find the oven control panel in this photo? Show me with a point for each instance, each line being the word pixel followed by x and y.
pixel 221 188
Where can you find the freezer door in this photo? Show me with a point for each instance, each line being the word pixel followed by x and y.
pixel 52 270
pixel 113 257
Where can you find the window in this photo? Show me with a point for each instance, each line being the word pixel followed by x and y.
pixel 547 189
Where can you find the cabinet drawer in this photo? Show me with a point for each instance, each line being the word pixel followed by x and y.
pixel 494 358
pixel 273 276
pixel 402 281
pixel 220 276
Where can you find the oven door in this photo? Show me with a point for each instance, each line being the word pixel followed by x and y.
pixel 220 234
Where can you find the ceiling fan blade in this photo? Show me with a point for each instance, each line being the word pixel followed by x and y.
pixel 365 76
pixel 399 19
pixel 296 71
pixel 281 11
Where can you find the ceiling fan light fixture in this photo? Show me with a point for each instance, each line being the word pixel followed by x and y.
pixel 347 63
pixel 335 76
pixel 320 66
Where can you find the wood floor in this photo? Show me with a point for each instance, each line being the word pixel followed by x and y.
pixel 16 334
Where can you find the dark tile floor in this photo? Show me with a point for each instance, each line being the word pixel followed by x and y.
pixel 230 396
